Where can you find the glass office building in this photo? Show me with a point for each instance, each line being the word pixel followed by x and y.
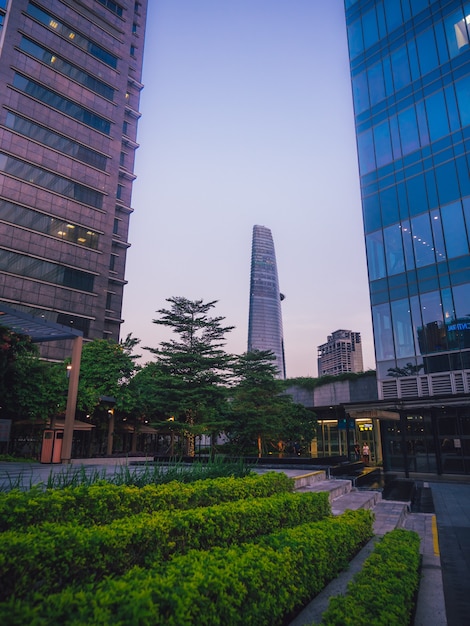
pixel 70 75
pixel 410 70
pixel 265 316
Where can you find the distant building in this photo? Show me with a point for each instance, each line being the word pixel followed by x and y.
pixel 341 353
pixel 70 83
pixel 265 317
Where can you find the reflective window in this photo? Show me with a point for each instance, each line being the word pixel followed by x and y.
pixel 31 267
pixel 370 28
pixel 457 33
pixel 462 90
pixel 371 213
pixel 422 240
pixel 66 68
pixel 383 334
pixel 54 226
pixel 360 93
pixel 56 101
pixel 438 235
pixel 52 182
pixel 356 45
pixel 402 329
pixel 408 245
pixel 462 302
pixel 400 68
pixel 417 198
pixel 408 130
pixel 375 255
pixel 389 206
pixel 393 14
pixel 72 35
pixel 454 230
pixel 433 333
pixel 383 145
pixel 427 51
pixel 112 6
pixel 365 146
pixel 394 250
pixel 58 142
pixel 376 83
pixel 447 182
pixel 437 116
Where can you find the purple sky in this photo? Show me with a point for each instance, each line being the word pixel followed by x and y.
pixel 247 119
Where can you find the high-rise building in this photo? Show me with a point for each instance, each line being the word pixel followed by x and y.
pixel 341 353
pixel 70 83
pixel 265 316
pixel 410 69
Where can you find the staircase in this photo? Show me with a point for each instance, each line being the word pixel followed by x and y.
pixel 388 514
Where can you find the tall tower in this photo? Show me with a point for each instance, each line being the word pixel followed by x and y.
pixel 70 73
pixel 265 317
pixel 410 68
pixel 341 353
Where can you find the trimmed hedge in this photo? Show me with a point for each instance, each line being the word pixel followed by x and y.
pixel 383 592
pixel 103 503
pixel 262 584
pixel 50 556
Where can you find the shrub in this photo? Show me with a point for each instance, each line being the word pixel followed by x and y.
pixel 383 592
pixel 50 556
pixel 255 583
pixel 102 503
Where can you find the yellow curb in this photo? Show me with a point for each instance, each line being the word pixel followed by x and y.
pixel 435 538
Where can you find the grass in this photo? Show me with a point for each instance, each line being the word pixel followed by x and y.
pixel 136 475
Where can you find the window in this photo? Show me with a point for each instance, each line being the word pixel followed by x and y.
pixel 58 102
pixel 66 68
pixel 19 215
pixel 78 39
pixel 53 140
pixel 132 51
pixel 112 6
pixel 32 267
pixel 52 182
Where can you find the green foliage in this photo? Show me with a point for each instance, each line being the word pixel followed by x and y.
pixel 258 583
pixel 106 367
pixel 383 592
pixel 49 556
pixel 260 414
pixel 311 383
pixel 103 503
pixel 193 369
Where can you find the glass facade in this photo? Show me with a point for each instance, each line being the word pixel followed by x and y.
pixel 265 317
pixel 410 70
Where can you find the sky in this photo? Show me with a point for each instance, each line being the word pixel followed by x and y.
pixel 247 119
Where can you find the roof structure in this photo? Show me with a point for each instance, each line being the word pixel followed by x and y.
pixel 38 328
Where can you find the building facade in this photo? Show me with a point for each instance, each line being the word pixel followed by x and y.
pixel 341 353
pixel 265 316
pixel 70 83
pixel 410 70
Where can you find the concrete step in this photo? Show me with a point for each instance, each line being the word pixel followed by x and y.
pixel 335 487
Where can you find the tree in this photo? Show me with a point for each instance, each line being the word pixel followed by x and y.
pixel 105 370
pixel 194 368
pixel 29 387
pixel 260 413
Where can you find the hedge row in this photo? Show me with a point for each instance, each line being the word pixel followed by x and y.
pixel 49 556
pixel 260 584
pixel 383 592
pixel 103 503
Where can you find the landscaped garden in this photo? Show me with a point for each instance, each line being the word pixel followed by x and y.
pixel 226 551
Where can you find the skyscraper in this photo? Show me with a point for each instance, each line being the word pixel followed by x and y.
pixel 265 317
pixel 341 353
pixel 410 68
pixel 70 73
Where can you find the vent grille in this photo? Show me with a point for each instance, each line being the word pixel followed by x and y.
pixel 441 384
pixel 424 385
pixel 409 387
pixel 459 383
pixel 389 389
